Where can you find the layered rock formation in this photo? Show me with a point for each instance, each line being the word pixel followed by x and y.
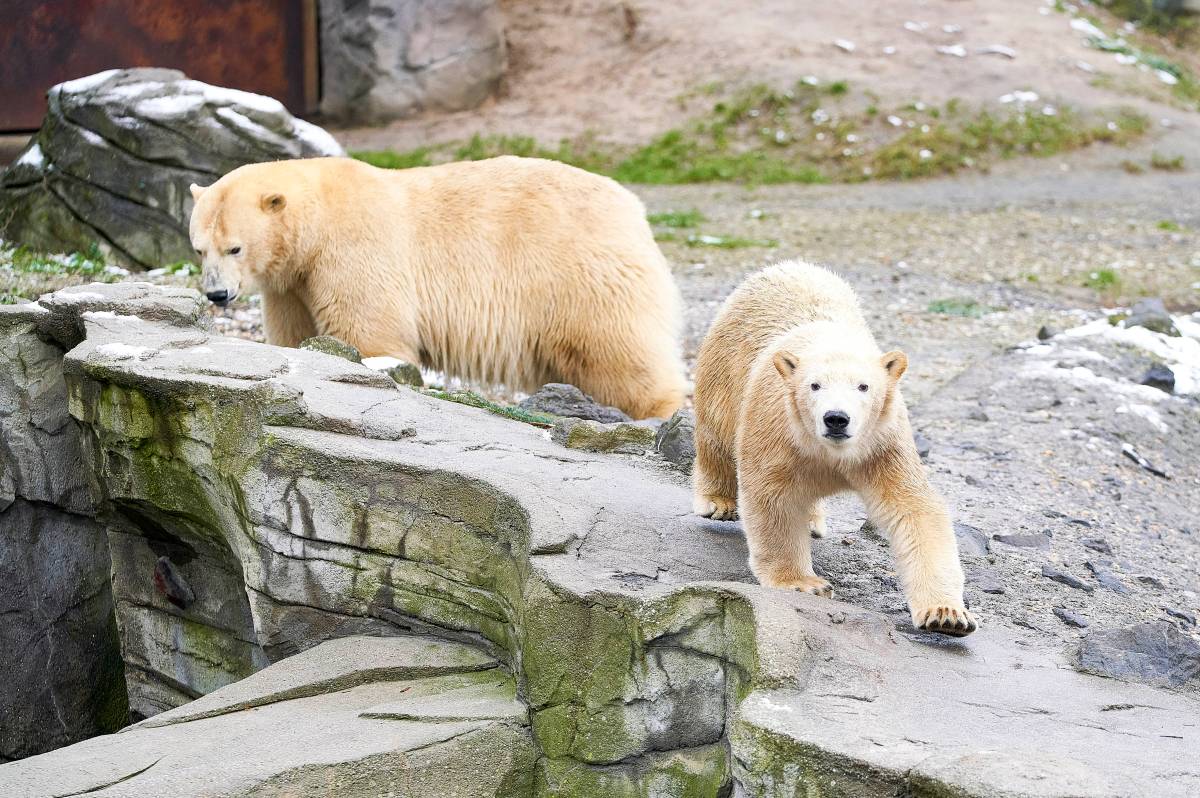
pixel 552 619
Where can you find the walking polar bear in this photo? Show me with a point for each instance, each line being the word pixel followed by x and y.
pixel 795 402
pixel 511 270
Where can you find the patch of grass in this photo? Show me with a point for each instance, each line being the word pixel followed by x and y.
pixel 728 242
pixel 812 134
pixel 1102 280
pixel 508 411
pixel 1168 225
pixel 389 159
pixel 26 274
pixel 690 218
pixel 1167 163
pixel 1165 19
pixel 967 308
pixel 661 235
pixel 1132 167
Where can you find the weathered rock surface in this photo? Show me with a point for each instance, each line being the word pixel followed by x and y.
pixel 390 59
pixel 1154 652
pixel 560 399
pixel 676 440
pixel 321 723
pixel 304 498
pixel 61 665
pixel 117 151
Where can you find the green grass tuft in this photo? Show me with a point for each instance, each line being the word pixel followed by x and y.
pixel 389 159
pixel 508 411
pixel 1168 225
pixel 967 308
pixel 1167 163
pixel 1102 280
pixel 728 242
pixel 690 218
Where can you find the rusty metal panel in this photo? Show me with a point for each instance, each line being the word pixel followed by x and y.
pixel 264 46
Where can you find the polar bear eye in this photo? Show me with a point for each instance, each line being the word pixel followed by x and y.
pixel 816 386
pixel 862 387
pixel 235 250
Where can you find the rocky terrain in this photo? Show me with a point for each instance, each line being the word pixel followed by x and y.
pixel 259 501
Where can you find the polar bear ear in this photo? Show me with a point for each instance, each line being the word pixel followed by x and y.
pixel 196 190
pixel 785 363
pixel 272 203
pixel 896 363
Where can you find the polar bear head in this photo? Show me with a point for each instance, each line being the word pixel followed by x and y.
pixel 239 229
pixel 840 394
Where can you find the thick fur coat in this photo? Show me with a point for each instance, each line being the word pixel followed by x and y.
pixel 512 271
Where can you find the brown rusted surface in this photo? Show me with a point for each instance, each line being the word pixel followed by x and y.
pixel 262 46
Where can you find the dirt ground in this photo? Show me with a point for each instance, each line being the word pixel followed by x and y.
pixel 629 69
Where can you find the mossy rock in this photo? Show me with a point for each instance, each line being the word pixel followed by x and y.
pixel 592 436
pixel 332 346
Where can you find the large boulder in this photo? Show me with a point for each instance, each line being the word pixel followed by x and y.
pixel 389 59
pixel 113 160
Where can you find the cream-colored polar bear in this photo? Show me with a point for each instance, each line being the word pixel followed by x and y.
pixel 795 402
pixel 511 270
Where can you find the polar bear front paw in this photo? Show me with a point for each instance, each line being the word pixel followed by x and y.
pixel 718 508
pixel 946 620
pixel 808 584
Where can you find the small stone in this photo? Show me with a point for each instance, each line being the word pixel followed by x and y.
pixel 1153 315
pixel 923 445
pixel 1064 578
pixel 406 374
pixel 675 440
pixel 561 399
pixel 1160 377
pixel 1071 618
pixel 1106 578
pixel 592 436
pixel 1186 617
pixel 1150 581
pixel 332 346
pixel 1154 652
pixel 1030 540
pixel 1097 544
pixel 1046 332
pixel 971 540
pixel 978 415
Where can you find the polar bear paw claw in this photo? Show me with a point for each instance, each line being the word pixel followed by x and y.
pixel 946 620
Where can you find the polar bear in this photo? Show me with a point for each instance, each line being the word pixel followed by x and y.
pixel 518 271
pixel 795 402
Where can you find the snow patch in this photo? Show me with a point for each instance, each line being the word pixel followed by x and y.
pixel 1147 412
pixel 169 107
pixel 32 157
pixel 317 138
pixel 1180 353
pixel 122 351
pixel 245 123
pixel 89 82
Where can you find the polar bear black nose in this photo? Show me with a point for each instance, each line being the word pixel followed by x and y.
pixel 219 297
pixel 836 421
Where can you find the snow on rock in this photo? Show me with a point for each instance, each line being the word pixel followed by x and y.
pixel 32 157
pixel 122 351
pixel 80 85
pixel 1180 353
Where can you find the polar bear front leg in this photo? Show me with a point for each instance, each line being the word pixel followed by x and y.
pixel 776 518
pixel 286 319
pixel 922 538
pixel 714 480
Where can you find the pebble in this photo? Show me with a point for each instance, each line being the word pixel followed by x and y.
pixel 1071 618
pixel 1097 544
pixel 1034 540
pixel 1160 377
pixel 971 540
pixel 1106 577
pixel 1064 578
